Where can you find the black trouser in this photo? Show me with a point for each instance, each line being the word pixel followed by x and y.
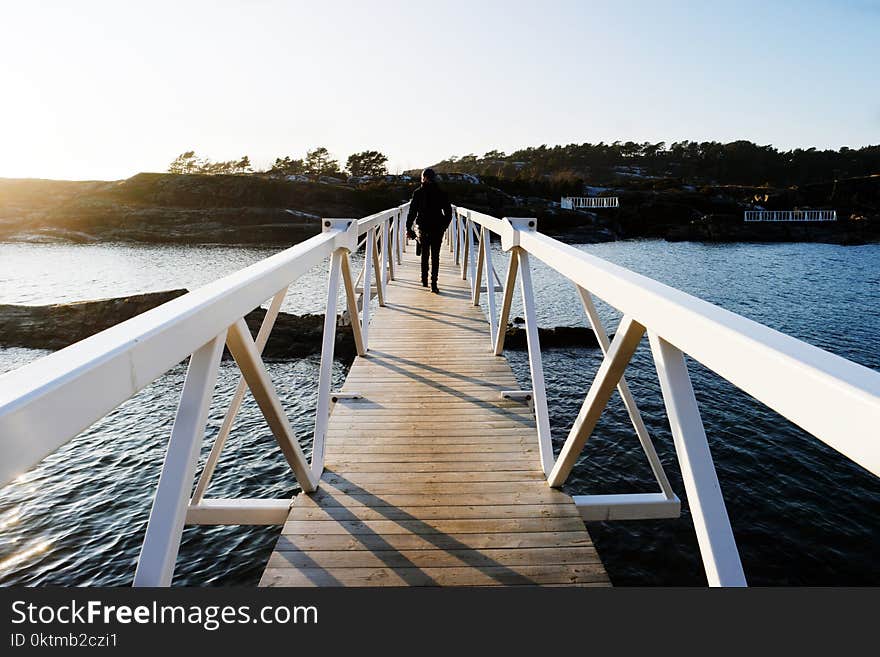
pixel 430 245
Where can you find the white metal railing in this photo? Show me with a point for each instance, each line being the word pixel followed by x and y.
pixel 46 403
pixel 578 202
pixel 790 215
pixel 834 399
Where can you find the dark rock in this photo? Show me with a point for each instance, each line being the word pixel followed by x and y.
pixel 552 338
pixel 296 336
pixel 60 325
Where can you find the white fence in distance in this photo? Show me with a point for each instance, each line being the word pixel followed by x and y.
pixel 584 202
pixel 791 215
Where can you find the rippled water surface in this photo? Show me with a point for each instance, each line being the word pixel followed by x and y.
pixel 801 513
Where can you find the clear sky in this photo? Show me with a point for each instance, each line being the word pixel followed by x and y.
pixel 106 89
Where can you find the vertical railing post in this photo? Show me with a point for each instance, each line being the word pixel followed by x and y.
pixel 328 342
pixel 472 264
pixel 377 268
pixel 401 237
pixel 714 534
pixel 403 231
pixel 460 237
pixel 456 236
pixel 392 246
pixel 365 309
pixel 478 275
pixel 490 283
pixel 387 261
pixel 539 393
pixel 395 234
pixel 450 231
pixel 465 244
pixel 162 540
pixel 404 239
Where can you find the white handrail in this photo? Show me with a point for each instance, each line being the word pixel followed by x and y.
pixel 46 403
pixel 796 379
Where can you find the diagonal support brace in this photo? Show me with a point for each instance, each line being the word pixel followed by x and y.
pixel 626 340
pixel 241 346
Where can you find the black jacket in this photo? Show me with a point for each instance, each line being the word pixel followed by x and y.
pixel 430 208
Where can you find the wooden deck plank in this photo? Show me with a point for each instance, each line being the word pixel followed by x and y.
pixel 439 422
pixel 434 477
pixel 395 542
pixel 527 465
pixel 431 558
pixel 323 497
pixel 463 576
pixel 422 487
pixel 402 393
pixel 403 439
pixel 427 448
pixel 431 477
pixel 404 410
pixel 375 457
pixel 433 512
pixel 427 527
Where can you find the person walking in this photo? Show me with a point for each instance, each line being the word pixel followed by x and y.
pixel 431 212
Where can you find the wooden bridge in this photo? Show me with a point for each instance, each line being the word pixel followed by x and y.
pixel 431 466
pixel 430 476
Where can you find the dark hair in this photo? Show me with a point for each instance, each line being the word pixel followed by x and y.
pixel 430 175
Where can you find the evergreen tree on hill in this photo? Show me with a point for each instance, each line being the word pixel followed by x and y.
pixel 319 163
pixel 367 163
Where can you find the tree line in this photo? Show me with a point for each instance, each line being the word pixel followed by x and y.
pixel 189 162
pixel 737 162
pixel 317 162
pixel 566 168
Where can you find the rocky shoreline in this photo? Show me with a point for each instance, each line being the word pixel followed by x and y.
pixel 713 228
pixel 295 336
pixel 60 325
